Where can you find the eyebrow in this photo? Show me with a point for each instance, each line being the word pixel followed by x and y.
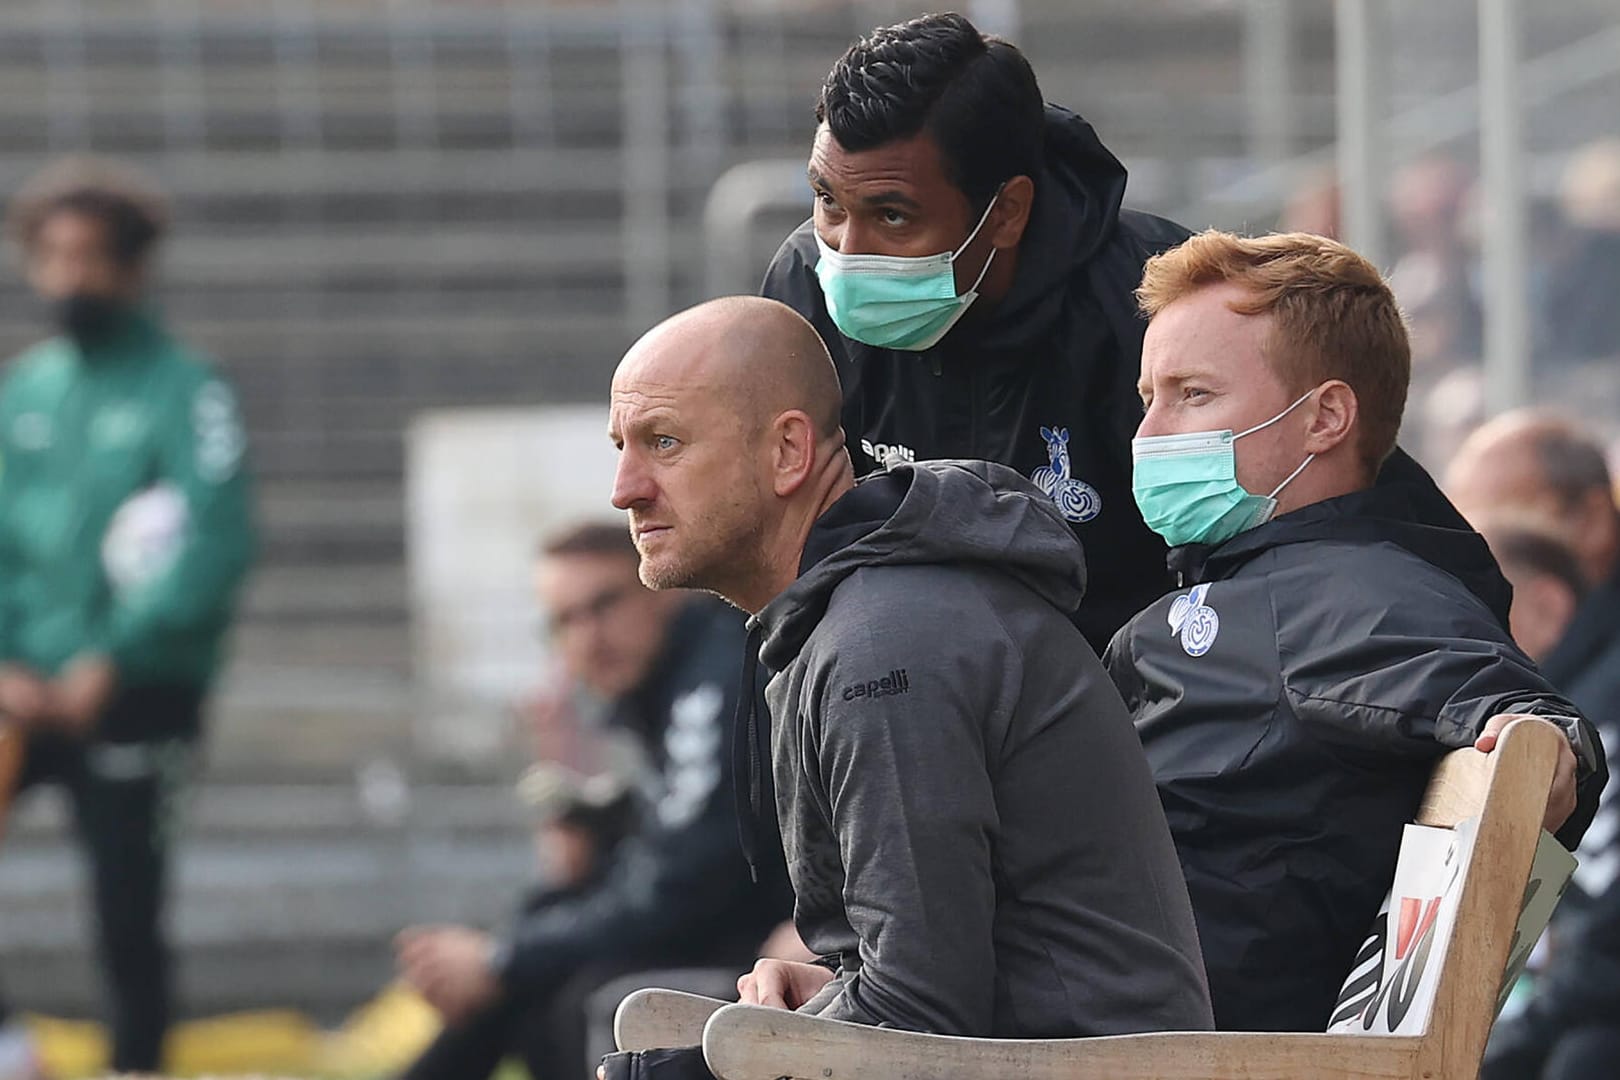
pixel 1176 377
pixel 880 199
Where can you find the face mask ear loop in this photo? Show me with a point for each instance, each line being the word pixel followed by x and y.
pixel 984 217
pixel 1308 459
pixel 976 281
pixel 1274 419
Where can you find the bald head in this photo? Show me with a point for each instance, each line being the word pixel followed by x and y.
pixel 1529 461
pixel 760 356
pixel 727 421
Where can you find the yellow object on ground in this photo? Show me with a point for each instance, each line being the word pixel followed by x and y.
pixel 379 1038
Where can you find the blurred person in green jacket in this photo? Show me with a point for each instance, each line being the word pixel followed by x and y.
pixel 125 532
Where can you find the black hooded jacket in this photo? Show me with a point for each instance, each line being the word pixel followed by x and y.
pixel 1292 703
pixel 1045 380
pixel 677 891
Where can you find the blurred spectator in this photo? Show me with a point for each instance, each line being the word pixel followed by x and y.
pixel 1433 274
pixel 1581 320
pixel 1538 465
pixel 124 533
pixel 1446 412
pixel 580 820
pixel 1546 579
pixel 674 893
pixel 1314 206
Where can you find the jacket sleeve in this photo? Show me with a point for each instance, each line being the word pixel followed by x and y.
pixel 8 515
pixel 681 876
pixel 203 456
pixel 1401 675
pixel 910 797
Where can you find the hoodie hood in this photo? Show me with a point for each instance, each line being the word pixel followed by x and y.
pixel 958 512
pixel 1077 202
pixel 1403 507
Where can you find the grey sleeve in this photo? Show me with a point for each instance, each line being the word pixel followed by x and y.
pixel 902 744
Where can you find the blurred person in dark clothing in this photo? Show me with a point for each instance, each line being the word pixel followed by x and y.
pixel 971 266
pixel 1433 273
pixel 125 532
pixel 675 892
pixel 1547 582
pixel 1581 320
pixel 1314 206
pixel 1529 462
pixel 1535 464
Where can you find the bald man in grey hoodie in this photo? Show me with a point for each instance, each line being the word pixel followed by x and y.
pixel 974 839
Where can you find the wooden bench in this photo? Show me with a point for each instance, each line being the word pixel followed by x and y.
pixel 1507 789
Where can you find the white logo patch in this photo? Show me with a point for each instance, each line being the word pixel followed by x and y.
pixel 1195 621
pixel 888 455
pixel 692 743
pixel 1077 500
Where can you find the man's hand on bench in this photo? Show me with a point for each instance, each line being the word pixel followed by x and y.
pixel 1561 799
pixel 782 984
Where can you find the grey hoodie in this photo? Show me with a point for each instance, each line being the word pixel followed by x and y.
pixel 970 825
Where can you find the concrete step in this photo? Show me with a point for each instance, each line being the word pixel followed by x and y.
pixel 282 895
pixel 298 592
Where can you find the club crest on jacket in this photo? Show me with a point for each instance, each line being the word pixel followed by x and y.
pixel 1195 621
pixel 1077 499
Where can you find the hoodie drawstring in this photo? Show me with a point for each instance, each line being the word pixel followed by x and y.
pixel 746 769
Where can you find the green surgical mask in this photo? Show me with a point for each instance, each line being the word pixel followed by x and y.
pixel 1186 485
pixel 895 301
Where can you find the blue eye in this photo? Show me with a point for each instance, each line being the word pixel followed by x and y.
pixel 664 442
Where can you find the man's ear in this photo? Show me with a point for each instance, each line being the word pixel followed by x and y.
pixel 793 451
pixel 1333 419
pixel 1010 215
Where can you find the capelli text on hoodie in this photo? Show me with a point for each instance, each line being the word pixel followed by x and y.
pixel 895 682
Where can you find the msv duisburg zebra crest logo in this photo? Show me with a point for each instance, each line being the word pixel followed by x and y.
pixel 1195 621
pixel 1077 500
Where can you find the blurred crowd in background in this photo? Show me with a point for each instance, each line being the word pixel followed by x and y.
pixel 418 234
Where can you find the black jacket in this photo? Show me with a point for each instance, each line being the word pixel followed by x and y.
pixel 1580 985
pixel 1292 704
pixel 1047 379
pixel 677 891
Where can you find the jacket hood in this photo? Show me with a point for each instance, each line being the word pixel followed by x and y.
pixel 960 512
pixel 1077 202
pixel 1403 507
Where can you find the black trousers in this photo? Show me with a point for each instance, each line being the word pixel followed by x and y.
pixel 546 1032
pixel 126 797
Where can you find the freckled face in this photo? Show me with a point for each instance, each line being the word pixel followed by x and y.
pixel 1204 368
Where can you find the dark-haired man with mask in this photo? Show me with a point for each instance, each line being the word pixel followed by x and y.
pixel 971 268
pixel 125 532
